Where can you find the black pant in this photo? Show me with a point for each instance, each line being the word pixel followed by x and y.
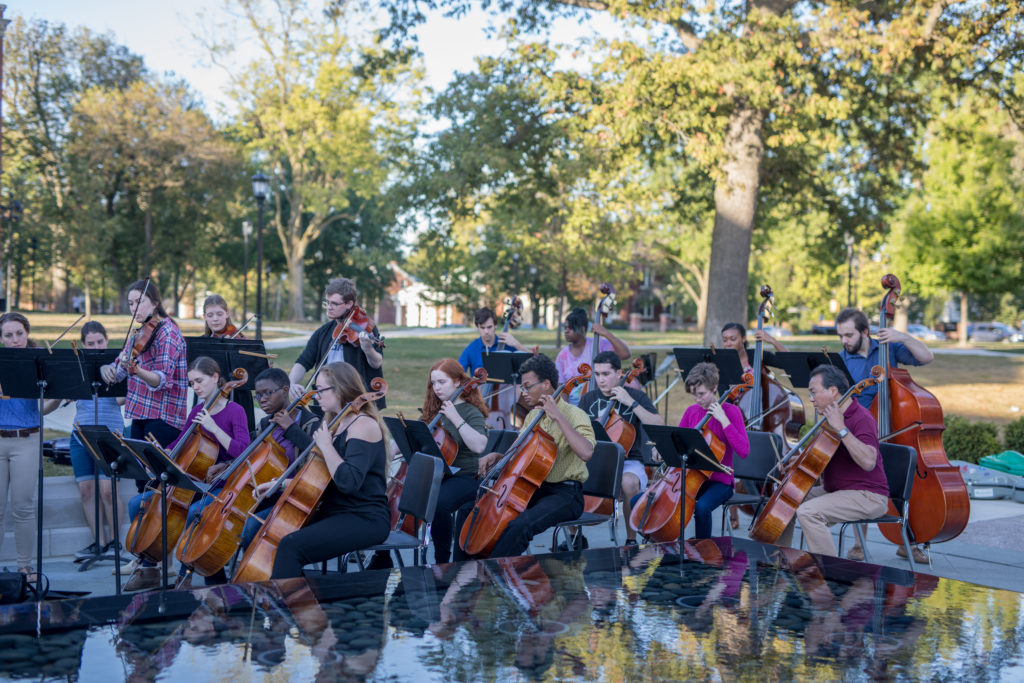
pixel 550 504
pixel 455 492
pixel 327 538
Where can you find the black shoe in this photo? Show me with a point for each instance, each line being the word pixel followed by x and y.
pixel 88 551
pixel 630 541
pixel 578 543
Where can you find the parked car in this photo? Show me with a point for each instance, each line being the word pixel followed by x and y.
pixel 925 333
pixel 988 332
pixel 776 331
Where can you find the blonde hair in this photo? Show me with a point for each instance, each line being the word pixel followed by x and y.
pixel 347 385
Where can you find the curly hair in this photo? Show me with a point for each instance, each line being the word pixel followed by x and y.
pixel 450 367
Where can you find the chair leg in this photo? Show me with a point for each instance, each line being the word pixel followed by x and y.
pixel 842 532
pixel 906 544
pixel 862 539
pixel 359 560
pixel 613 522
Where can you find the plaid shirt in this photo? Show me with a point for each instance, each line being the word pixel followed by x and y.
pixel 167 401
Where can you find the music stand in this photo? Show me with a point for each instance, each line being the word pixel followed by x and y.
pixel 797 365
pixel 599 431
pixel 503 368
pixel 684 448
pixel 413 437
pixel 113 458
pixel 730 370
pixel 250 354
pixel 169 474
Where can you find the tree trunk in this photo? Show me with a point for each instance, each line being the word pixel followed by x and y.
pixel 963 320
pixel 735 208
pixel 148 227
pixel 88 298
pixel 296 283
pixel 563 286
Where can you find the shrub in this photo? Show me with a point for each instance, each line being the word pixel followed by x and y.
pixel 969 441
pixel 1013 436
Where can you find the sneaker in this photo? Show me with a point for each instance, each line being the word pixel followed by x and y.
pixel 630 541
pixel 856 554
pixel 920 556
pixel 108 551
pixel 88 551
pixel 142 579
pixel 579 543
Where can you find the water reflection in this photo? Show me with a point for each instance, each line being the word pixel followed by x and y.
pixel 731 610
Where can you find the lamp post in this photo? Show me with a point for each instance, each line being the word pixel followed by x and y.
pixel 246 232
pixel 260 190
pixel 515 274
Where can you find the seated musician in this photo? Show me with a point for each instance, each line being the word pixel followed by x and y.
pixel 472 357
pixel 853 484
pixel 580 347
pixel 560 497
pixel 727 424
pixel 353 511
pixel 217 317
pixel 224 421
pixel 633 406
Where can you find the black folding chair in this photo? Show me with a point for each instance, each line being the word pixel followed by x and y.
pixel 900 463
pixel 604 480
pixel 765 452
pixel 419 500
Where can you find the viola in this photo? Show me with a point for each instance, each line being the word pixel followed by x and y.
pixel 506 489
pixel 805 463
pixel 300 499
pixel 348 330
pixel 142 340
pixel 195 453
pixel 211 541
pixel 909 415
pixel 621 432
pixel 656 515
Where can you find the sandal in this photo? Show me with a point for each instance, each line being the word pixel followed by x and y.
pixel 30 574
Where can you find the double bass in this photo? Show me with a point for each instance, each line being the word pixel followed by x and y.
pixel 502 402
pixel 601 312
pixel 300 499
pixel 195 453
pixel 808 459
pixel 506 489
pixel 909 415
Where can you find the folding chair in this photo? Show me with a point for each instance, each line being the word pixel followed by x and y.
pixel 604 480
pixel 765 450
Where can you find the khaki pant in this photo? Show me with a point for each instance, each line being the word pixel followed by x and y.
pixel 821 510
pixel 19 469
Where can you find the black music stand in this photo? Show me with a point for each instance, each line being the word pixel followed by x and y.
pixel 169 474
pixel 797 365
pixel 413 436
pixel 230 354
pixel 115 460
pixel 730 370
pixel 503 368
pixel 600 433
pixel 684 448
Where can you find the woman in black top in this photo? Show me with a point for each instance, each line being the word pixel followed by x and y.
pixel 353 511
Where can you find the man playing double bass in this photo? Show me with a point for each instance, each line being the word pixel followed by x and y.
pixel 860 353
pixel 560 497
pixel 853 484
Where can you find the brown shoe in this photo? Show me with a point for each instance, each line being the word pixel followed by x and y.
pixel 143 579
pixel 856 554
pixel 920 556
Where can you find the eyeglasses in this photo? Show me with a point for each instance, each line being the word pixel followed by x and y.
pixel 332 304
pixel 260 395
pixel 526 386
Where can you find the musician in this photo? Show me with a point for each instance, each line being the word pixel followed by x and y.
pixel 580 347
pixel 728 425
pixel 366 358
pixel 861 353
pixel 156 401
pixel 633 406
pixel 107 412
pixel 853 484
pixel 19 450
pixel 217 318
pixel 223 421
pixel 734 336
pixel 353 512
pixel 464 421
pixel 560 497
pixel 472 358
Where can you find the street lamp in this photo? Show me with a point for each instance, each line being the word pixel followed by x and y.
pixel 246 232
pixel 515 274
pixel 260 191
pixel 11 213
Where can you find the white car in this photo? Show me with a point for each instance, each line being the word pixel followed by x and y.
pixel 925 333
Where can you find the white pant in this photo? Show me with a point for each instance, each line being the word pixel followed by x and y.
pixel 19 467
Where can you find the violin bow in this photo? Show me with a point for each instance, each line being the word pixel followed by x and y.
pixel 316 370
pixel 135 313
pixel 240 329
pixel 49 345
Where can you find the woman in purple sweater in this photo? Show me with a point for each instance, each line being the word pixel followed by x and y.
pixel 727 424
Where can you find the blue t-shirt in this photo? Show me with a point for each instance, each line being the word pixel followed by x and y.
pixel 19 413
pixel 860 366
pixel 473 355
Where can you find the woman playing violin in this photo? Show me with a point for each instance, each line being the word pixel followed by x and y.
pixel 217 317
pixel 156 402
pixel 465 422
pixel 354 512
pixel 726 424
pixel 364 355
pixel 223 421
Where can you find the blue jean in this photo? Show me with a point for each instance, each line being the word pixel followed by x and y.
pixel 711 496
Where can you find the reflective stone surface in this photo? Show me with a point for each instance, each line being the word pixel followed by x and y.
pixel 728 610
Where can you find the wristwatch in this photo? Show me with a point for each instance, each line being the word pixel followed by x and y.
pixel 843 432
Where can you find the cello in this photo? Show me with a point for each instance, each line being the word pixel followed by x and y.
pixel 300 499
pixel 501 406
pixel 195 453
pixel 809 457
pixel 621 432
pixel 211 541
pixel 506 489
pixel 909 415
pixel 656 514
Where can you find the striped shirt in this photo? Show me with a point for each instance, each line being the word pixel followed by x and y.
pixel 167 358
pixel 109 413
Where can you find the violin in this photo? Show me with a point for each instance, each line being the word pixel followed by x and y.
pixel 356 322
pixel 909 415
pixel 142 340
pixel 228 332
pixel 195 453
pixel 506 489
pixel 300 499
pixel 604 307
pixel 656 514
pixel 211 541
pixel 808 458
